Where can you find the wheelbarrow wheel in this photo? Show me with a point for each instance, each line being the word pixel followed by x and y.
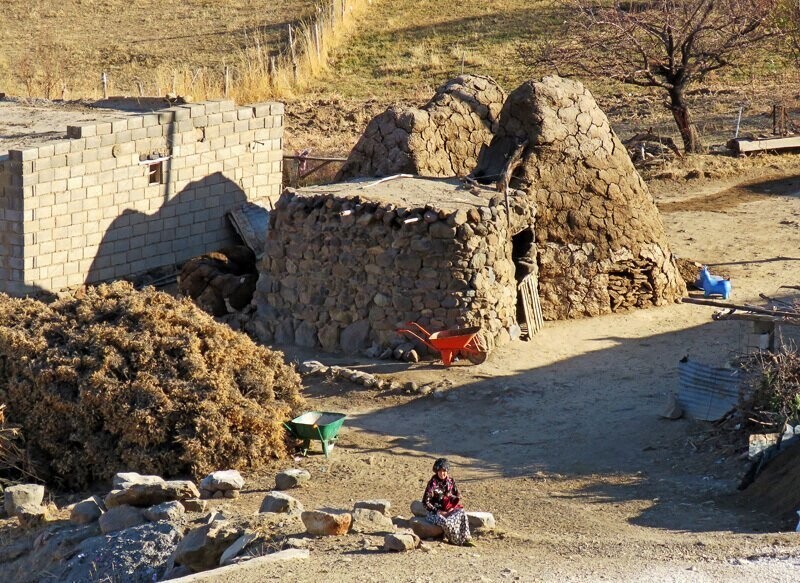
pixel 477 357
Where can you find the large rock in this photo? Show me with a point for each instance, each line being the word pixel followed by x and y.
pixel 401 542
pixel 321 523
pixel 600 245
pixel 280 502
pixel 381 506
pixel 144 495
pixel 23 494
pixel 32 515
pixel 172 511
pixel 136 555
pixel 443 138
pixel 424 529
pixel 86 511
pixel 418 508
pixel 483 520
pixel 120 518
pixel 371 521
pixel 123 480
pixel 223 480
pixel 203 546
pixel 236 548
pixel 291 478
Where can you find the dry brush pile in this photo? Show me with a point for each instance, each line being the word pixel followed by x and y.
pixel 125 380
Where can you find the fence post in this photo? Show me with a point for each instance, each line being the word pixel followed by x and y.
pixel 294 57
pixel 227 81
pixel 104 79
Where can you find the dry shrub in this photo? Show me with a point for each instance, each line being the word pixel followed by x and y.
pixel 14 463
pixel 775 388
pixel 127 380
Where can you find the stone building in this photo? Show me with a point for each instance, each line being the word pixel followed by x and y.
pixel 346 263
pixel 120 193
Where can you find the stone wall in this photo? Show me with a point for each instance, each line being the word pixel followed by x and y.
pixel 341 273
pixel 601 244
pixel 121 197
pixel 443 138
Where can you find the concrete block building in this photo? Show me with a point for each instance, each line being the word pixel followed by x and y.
pixel 125 193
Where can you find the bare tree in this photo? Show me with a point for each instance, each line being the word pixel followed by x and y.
pixel 667 44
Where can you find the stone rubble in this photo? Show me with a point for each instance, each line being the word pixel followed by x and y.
pixel 291 478
pixel 87 510
pixel 281 503
pixel 228 483
pixel 321 523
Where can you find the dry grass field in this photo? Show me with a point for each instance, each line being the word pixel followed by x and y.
pixel 46 46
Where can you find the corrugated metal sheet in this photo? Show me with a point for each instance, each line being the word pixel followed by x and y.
pixel 707 392
pixel 251 222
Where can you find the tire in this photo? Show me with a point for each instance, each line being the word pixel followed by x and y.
pixel 477 357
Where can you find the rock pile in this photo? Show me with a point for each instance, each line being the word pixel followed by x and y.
pixel 601 244
pixel 443 138
pixel 220 282
pixel 25 502
pixel 122 378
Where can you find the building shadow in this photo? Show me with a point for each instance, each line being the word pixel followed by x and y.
pixel 186 225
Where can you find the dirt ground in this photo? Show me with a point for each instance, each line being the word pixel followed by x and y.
pixel 560 437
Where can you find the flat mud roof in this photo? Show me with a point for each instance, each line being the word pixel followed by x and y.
pixel 410 192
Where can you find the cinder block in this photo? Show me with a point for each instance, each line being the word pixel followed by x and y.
pixel 61 147
pixel 229 116
pixel 93 142
pixel 102 128
pixel 23 155
pixel 135 122
pixel 149 120
pixel 200 121
pixel 262 109
pixel 82 130
pixel 119 125
pixel 108 139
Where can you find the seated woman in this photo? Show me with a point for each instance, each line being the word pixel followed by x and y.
pixel 443 502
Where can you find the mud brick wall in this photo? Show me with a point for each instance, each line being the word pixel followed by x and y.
pixel 341 274
pixel 121 197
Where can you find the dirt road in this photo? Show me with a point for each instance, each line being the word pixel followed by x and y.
pixel 560 437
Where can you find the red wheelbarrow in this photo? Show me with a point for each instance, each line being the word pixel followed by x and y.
pixel 450 343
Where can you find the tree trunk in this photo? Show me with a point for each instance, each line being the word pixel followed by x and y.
pixel 692 144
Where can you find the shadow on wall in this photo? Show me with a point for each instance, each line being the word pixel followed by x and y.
pixel 189 224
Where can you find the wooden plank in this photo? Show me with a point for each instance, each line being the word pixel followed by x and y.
pixel 528 290
pixel 744 146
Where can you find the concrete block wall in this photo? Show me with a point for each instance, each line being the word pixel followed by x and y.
pixel 11 235
pixel 125 196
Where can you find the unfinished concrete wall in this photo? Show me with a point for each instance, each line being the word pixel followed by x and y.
pixel 11 236
pixel 342 273
pixel 443 138
pixel 122 197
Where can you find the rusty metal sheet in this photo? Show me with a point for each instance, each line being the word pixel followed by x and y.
pixel 707 392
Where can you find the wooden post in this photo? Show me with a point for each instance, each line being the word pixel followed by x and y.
pixel 344 6
pixel 294 56
pixel 271 70
pixel 463 58
pixel 227 81
pixel 141 88
pixel 174 84
pixel 104 79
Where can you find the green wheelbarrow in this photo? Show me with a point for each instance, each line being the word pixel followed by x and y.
pixel 321 425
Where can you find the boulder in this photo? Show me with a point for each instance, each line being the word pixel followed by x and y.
pixel 222 481
pixel 401 542
pixel 194 505
pixel 32 515
pixel 291 478
pixel 371 521
pixel 22 494
pixel 86 511
pixel 203 546
pixel 321 523
pixel 120 518
pixel 136 555
pixel 236 548
pixel 172 511
pixel 144 495
pixel 418 508
pixel 381 506
pixel 280 502
pixel 481 520
pixel 424 529
pixel 123 480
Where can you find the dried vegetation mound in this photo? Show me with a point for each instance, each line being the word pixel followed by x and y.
pixel 125 380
